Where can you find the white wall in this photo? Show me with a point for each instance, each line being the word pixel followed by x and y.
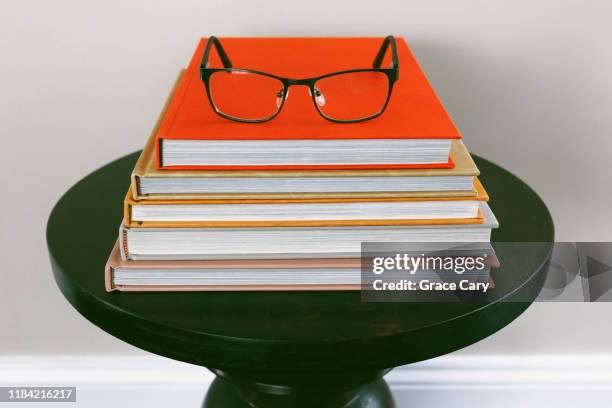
pixel 81 83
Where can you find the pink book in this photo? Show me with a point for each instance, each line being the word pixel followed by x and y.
pixel 314 274
pixel 231 275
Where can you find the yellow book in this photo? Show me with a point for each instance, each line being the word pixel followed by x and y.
pixel 305 212
pixel 150 183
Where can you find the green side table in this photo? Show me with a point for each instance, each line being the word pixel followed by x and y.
pixel 271 349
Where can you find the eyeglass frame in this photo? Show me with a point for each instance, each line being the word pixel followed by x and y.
pixel 206 72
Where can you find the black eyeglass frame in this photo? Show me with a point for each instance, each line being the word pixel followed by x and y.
pixel 206 72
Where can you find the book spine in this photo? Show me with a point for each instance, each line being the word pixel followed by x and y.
pixel 109 285
pixel 123 244
pixel 135 187
pixel 127 212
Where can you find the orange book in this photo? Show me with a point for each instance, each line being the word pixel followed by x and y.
pixel 292 212
pixel 414 113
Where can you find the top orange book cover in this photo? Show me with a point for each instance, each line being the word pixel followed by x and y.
pixel 413 112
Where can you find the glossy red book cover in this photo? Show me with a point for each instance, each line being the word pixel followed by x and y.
pixel 414 111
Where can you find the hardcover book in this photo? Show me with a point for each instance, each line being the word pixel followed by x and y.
pixel 293 212
pixel 150 183
pixel 256 274
pixel 414 132
pixel 323 239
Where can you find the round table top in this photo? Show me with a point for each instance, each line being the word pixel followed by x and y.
pixel 280 331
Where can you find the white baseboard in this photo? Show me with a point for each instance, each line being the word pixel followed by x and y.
pixel 447 371
pixel 101 370
pixel 494 380
pixel 503 371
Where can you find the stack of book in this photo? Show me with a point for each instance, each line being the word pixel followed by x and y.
pixel 285 205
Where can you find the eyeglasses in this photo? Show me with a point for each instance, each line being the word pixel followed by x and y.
pixel 349 96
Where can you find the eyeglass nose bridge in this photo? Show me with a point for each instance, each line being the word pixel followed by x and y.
pixel 306 82
pixel 283 94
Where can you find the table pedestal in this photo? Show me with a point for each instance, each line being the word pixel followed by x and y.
pixel 336 390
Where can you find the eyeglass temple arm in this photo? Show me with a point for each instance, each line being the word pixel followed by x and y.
pixel 224 58
pixel 383 49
